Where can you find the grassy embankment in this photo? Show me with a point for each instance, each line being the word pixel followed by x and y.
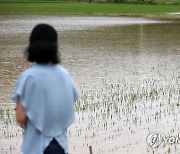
pixel 77 8
pixel 174 2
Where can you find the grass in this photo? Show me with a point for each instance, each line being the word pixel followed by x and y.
pixel 156 1
pixel 85 9
pixel 165 1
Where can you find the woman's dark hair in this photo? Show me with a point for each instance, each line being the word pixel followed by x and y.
pixel 43 46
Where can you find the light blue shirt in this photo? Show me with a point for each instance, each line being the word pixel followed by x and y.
pixel 47 93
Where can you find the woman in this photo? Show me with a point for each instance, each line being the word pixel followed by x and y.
pixel 45 96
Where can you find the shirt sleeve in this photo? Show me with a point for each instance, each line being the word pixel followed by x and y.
pixel 75 91
pixel 18 92
pixel 24 88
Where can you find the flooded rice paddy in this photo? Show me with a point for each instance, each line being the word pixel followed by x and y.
pixel 128 73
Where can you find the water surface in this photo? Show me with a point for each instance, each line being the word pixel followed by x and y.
pixel 128 73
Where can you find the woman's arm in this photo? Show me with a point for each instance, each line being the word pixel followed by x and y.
pixel 20 115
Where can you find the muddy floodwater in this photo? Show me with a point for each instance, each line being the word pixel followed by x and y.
pixel 128 73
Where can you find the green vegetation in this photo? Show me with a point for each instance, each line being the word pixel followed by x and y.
pixel 172 2
pixel 85 8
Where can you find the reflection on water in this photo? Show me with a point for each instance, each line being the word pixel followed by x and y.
pixel 128 71
pixel 19 24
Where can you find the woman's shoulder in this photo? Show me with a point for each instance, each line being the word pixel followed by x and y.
pixel 28 73
pixel 63 70
pixel 34 71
